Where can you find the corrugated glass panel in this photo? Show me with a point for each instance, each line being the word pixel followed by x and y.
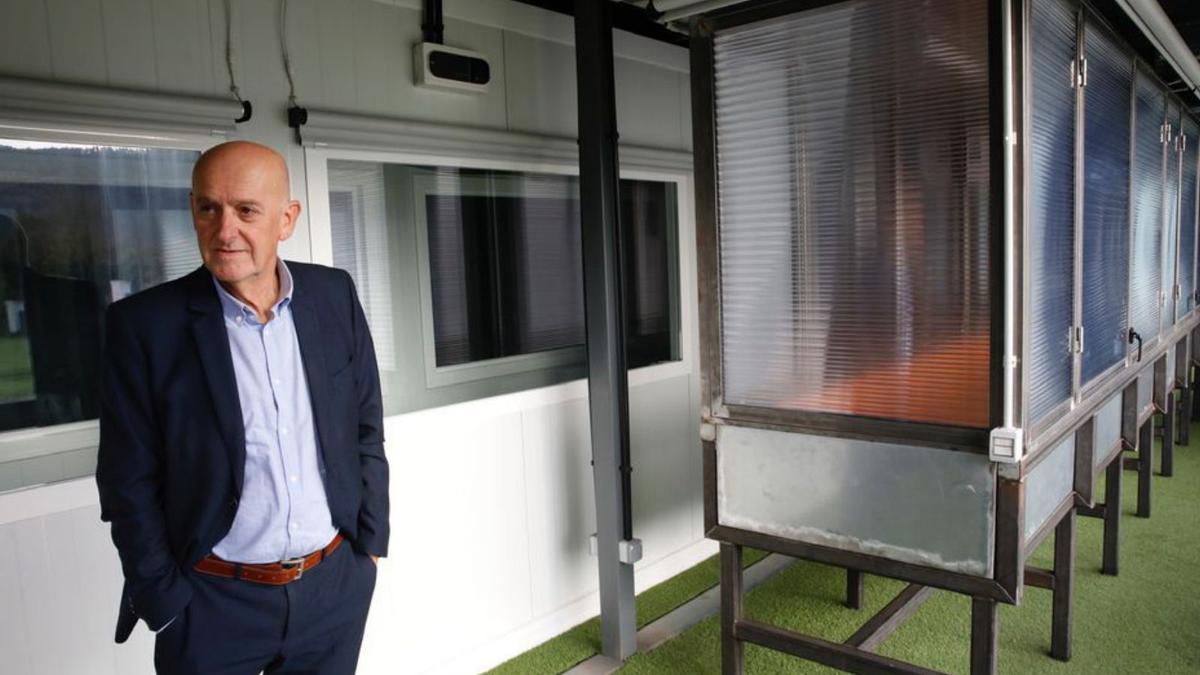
pixel 853 196
pixel 1187 218
pixel 1105 202
pixel 1147 194
pixel 1051 227
pixel 1170 218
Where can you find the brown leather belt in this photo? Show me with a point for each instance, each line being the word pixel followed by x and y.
pixel 275 574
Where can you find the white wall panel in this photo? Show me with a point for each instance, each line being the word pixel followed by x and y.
pixel 666 463
pixel 14 628
pixel 77 40
pixel 25 38
pixel 182 48
pixel 129 43
pixel 335 29
pixel 560 504
pixel 685 111
pixel 461 548
pixel 647 104
pixel 541 92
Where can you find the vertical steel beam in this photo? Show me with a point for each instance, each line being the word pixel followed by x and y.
pixel 1112 518
pixel 731 609
pixel 608 387
pixel 854 589
pixel 985 632
pixel 1185 407
pixel 1167 462
pixel 1064 587
pixel 1145 467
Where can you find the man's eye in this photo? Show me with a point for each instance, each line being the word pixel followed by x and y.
pixel 207 209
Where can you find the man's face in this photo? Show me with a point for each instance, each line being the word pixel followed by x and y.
pixel 241 211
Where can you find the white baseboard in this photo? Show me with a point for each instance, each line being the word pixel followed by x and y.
pixel 540 630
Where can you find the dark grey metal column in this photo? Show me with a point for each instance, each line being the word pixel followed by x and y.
pixel 608 387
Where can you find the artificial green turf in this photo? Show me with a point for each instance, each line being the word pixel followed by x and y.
pixel 1145 621
pixel 583 641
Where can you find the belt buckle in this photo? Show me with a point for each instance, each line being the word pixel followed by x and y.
pixel 294 564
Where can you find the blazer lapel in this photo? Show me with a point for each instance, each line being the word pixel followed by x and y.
pixel 212 343
pixel 312 352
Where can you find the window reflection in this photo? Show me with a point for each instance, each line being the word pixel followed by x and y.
pixel 80 227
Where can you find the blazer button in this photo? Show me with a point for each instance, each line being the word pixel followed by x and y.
pixel 233 502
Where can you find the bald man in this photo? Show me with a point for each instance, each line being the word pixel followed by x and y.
pixel 241 443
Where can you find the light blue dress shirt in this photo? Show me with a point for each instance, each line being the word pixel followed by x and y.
pixel 282 512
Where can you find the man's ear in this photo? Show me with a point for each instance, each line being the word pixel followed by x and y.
pixel 290 214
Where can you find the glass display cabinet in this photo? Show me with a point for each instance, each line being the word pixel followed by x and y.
pixel 947 262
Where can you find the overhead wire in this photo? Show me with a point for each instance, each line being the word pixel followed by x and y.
pixel 287 61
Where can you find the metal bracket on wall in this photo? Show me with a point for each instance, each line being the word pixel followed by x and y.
pixel 629 551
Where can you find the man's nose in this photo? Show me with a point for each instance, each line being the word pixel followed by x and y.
pixel 227 225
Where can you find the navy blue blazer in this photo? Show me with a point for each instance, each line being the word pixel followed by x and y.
pixel 172 444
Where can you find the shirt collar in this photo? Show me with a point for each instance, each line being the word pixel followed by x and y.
pixel 237 310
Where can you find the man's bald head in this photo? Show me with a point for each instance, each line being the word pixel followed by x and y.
pixel 242 209
pixel 234 155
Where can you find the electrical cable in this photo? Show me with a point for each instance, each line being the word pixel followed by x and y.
pixel 233 87
pixel 287 62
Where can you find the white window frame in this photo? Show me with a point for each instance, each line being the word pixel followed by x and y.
pixel 33 442
pixel 440 376
pixel 321 245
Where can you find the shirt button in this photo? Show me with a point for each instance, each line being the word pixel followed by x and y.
pixel 293 478
pixel 294 526
pixel 277 381
pixel 283 431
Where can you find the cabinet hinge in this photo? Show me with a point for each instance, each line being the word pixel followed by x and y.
pixel 1079 68
pixel 1076 338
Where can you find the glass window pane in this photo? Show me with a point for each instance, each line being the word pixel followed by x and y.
pixel 357 223
pixel 1187 218
pixel 1105 203
pixel 853 194
pixel 1147 193
pixel 1170 218
pixel 501 260
pixel 80 227
pixel 1051 227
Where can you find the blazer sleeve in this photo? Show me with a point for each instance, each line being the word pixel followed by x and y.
pixel 373 529
pixel 129 475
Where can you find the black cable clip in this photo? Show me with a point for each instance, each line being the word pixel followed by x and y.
pixel 1133 335
pixel 247 113
pixel 297 117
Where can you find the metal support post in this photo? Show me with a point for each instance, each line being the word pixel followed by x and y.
pixel 1187 394
pixel 985 633
pixel 1145 467
pixel 731 608
pixel 854 589
pixel 1112 518
pixel 608 386
pixel 1168 437
pixel 1194 409
pixel 1064 586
